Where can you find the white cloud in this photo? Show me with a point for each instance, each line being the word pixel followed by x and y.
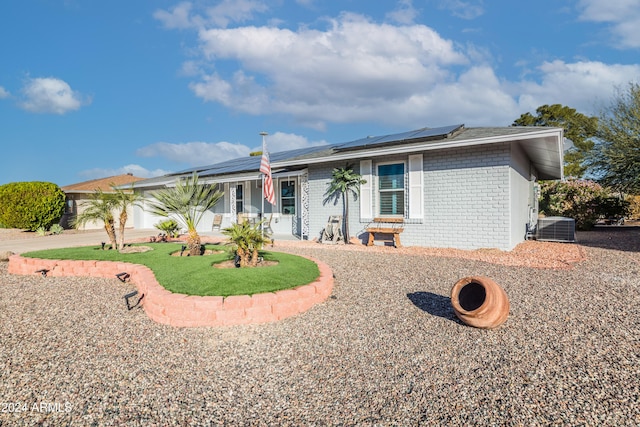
pixel 204 153
pixel 177 18
pixel 405 13
pixel 476 98
pixel 195 153
pixel 50 95
pixel 334 75
pixel 356 70
pixel 228 11
pixel 225 12
pixel 281 141
pixel 623 15
pixel 463 9
pixel 4 93
pixel 586 86
pixel 135 170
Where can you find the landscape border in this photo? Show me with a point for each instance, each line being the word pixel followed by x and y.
pixel 182 310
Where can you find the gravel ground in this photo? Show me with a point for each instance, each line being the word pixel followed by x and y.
pixel 385 349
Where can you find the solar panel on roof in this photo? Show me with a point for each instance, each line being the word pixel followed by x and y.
pixel 396 137
pixel 242 164
pixel 197 169
pixel 419 134
pixel 289 154
pixel 442 131
pixel 235 165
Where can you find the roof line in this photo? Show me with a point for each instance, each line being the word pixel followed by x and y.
pixel 400 149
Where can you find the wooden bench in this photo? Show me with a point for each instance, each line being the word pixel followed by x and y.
pixel 392 226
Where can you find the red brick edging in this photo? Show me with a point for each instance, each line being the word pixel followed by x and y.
pixel 172 309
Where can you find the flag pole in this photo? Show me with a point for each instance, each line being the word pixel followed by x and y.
pixel 263 134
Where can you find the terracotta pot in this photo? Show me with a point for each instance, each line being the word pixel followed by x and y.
pixel 480 302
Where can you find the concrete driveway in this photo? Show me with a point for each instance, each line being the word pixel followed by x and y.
pixel 26 242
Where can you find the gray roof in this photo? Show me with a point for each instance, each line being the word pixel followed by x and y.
pixel 541 144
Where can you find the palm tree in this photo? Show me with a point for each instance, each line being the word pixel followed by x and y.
pixel 187 202
pixel 239 234
pixel 99 208
pixel 124 200
pixel 344 182
pixel 248 240
pixel 257 238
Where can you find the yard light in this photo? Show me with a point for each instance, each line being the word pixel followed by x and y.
pixel 131 295
pixel 123 276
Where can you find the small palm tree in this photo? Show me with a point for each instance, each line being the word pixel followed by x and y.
pixel 248 241
pixel 124 200
pixel 257 238
pixel 344 182
pixel 187 202
pixel 99 207
pixel 238 234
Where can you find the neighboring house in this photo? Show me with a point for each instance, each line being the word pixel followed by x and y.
pixel 79 193
pixel 453 186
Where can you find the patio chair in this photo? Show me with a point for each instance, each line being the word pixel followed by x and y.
pixel 217 222
pixel 242 217
pixel 266 226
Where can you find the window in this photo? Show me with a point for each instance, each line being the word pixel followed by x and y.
pixel 68 206
pixel 288 197
pixel 239 199
pixel 391 189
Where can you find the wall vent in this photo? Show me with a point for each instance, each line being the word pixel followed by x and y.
pixel 556 229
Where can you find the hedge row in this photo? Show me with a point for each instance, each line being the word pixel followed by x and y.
pixel 30 205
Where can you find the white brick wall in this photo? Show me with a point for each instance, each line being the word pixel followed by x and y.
pixel 467 201
pixel 319 211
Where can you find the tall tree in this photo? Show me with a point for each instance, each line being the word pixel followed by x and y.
pixel 99 207
pixel 124 199
pixel 344 183
pixel 615 160
pixel 187 203
pixel 580 129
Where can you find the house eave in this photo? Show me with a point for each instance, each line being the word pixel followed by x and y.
pixel 547 160
pixel 543 146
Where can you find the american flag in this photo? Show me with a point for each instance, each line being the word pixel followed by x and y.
pixel 265 168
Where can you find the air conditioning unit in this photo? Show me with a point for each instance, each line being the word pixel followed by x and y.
pixel 556 229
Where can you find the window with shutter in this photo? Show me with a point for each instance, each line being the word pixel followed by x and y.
pixel 391 189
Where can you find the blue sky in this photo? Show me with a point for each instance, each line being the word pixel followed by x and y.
pixel 93 89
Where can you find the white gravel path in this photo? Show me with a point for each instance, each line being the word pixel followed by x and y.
pixel 385 349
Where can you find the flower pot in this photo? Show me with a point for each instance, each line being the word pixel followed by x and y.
pixel 480 302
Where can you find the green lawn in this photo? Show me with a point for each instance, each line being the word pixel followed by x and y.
pixel 195 275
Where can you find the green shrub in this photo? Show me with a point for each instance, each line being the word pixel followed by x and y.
pixel 30 205
pixel 41 231
pixel 56 229
pixel 613 207
pixel 583 200
pixel 170 227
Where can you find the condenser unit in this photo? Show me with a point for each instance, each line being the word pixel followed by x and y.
pixel 556 229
